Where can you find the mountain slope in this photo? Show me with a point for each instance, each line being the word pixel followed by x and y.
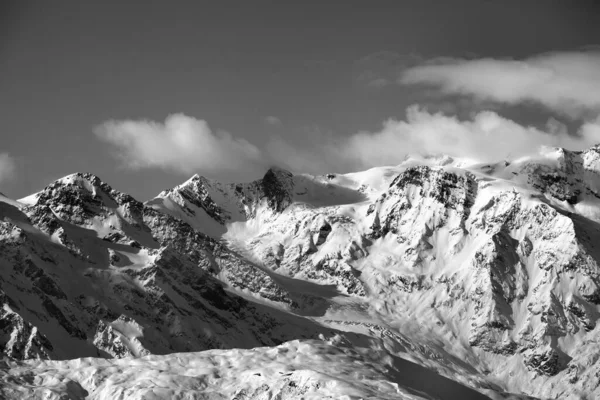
pixel 296 369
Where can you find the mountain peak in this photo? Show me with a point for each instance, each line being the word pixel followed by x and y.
pixel 196 179
pixel 278 170
pixel 77 176
pixel 277 185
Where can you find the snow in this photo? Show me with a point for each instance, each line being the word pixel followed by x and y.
pixel 29 200
pixel 297 369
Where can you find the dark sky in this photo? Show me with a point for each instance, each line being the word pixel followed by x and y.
pixel 67 66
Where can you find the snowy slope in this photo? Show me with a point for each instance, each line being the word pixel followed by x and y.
pixel 294 370
pixel 486 274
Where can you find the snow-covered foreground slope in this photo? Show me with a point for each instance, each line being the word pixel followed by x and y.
pixel 294 370
pixel 485 274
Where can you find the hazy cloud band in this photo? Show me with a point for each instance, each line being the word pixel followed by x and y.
pixel 485 137
pixel 7 167
pixel 187 145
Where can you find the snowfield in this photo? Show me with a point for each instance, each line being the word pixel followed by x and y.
pixel 436 278
pixel 294 370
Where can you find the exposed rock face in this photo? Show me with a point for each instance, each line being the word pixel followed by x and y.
pixel 120 339
pixel 416 191
pixel 544 361
pixel 197 194
pixel 277 186
pixel 18 338
pixel 110 341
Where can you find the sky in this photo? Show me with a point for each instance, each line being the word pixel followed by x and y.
pixel 146 94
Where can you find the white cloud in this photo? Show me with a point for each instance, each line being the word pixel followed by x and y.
pixel 272 120
pixel 485 137
pixel 7 167
pixel 565 82
pixel 188 145
pixel 182 144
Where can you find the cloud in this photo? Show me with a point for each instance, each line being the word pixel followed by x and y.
pixel 485 137
pixel 181 144
pixel 7 167
pixel 591 130
pixel 272 120
pixel 185 144
pixel 565 82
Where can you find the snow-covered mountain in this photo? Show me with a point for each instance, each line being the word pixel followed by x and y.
pixel 481 278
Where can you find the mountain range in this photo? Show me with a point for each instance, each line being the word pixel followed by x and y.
pixel 436 278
